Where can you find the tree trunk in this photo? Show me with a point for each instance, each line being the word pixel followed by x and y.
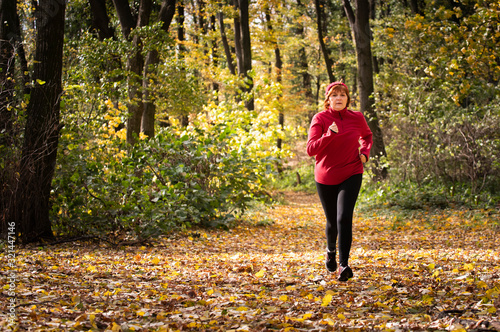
pixel 149 107
pixel 8 14
pixel 166 15
pixel 215 55
pixel 180 27
pixel 247 51
pixel 243 48
pixel 279 67
pixel 237 39
pixel 360 25
pixel 183 118
pixel 227 50
pixel 167 12
pixel 135 63
pixel 100 19
pixel 304 68
pixel 415 7
pixel 42 125
pixel 321 28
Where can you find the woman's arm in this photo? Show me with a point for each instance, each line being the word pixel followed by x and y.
pixel 366 141
pixel 317 137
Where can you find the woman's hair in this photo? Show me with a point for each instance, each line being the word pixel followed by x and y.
pixel 337 86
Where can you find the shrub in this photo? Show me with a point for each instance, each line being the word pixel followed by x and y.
pixel 208 175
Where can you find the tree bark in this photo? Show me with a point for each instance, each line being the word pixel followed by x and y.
pixel 135 63
pixel 415 7
pixel 8 14
pixel 279 67
pixel 167 12
pixel 360 25
pixel 42 125
pixel 243 41
pixel 321 28
pixel 166 15
pixel 215 55
pixel 125 16
pixel 100 19
pixel 304 68
pixel 225 43
pixel 237 39
pixel 183 118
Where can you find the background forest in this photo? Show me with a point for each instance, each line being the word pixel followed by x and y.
pixel 139 117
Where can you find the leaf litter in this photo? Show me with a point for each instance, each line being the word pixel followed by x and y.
pixel 432 272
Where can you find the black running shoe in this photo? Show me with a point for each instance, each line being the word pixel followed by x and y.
pixel 345 273
pixel 331 261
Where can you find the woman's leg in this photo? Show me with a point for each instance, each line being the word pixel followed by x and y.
pixel 328 197
pixel 347 195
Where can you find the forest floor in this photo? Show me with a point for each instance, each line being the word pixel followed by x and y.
pixel 433 272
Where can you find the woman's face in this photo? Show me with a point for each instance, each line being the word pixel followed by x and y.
pixel 338 100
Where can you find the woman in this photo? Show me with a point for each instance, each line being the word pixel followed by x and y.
pixel 341 140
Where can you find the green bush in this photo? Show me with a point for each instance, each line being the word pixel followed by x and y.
pixel 177 179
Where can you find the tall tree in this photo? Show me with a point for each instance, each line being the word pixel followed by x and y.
pixel 8 13
pixel 321 23
pixel 42 125
pixel 303 65
pixel 135 62
pixel 278 65
pixel 166 15
pixel 225 43
pixel 8 19
pixel 100 19
pixel 360 26
pixel 184 118
pixel 244 47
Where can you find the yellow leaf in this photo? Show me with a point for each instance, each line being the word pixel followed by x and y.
pixel 326 300
pixel 155 261
pixel 307 316
pixel 468 267
pixel 284 298
pixel 141 313
pixel 341 316
pixel 260 274
pixel 210 291
pixel 481 284
pixel 116 327
pixel 39 81
pixel 91 268
pixel 492 310
pixel 242 308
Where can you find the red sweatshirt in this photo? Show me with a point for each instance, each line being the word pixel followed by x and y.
pixel 337 154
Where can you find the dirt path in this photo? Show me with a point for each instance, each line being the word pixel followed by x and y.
pixel 435 273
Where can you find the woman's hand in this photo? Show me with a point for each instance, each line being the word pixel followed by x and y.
pixel 363 158
pixel 333 127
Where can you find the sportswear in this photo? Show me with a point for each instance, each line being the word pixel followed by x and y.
pixel 337 154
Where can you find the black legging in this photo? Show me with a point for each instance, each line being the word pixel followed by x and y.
pixel 338 203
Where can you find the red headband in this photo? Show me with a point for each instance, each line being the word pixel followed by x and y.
pixel 333 84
